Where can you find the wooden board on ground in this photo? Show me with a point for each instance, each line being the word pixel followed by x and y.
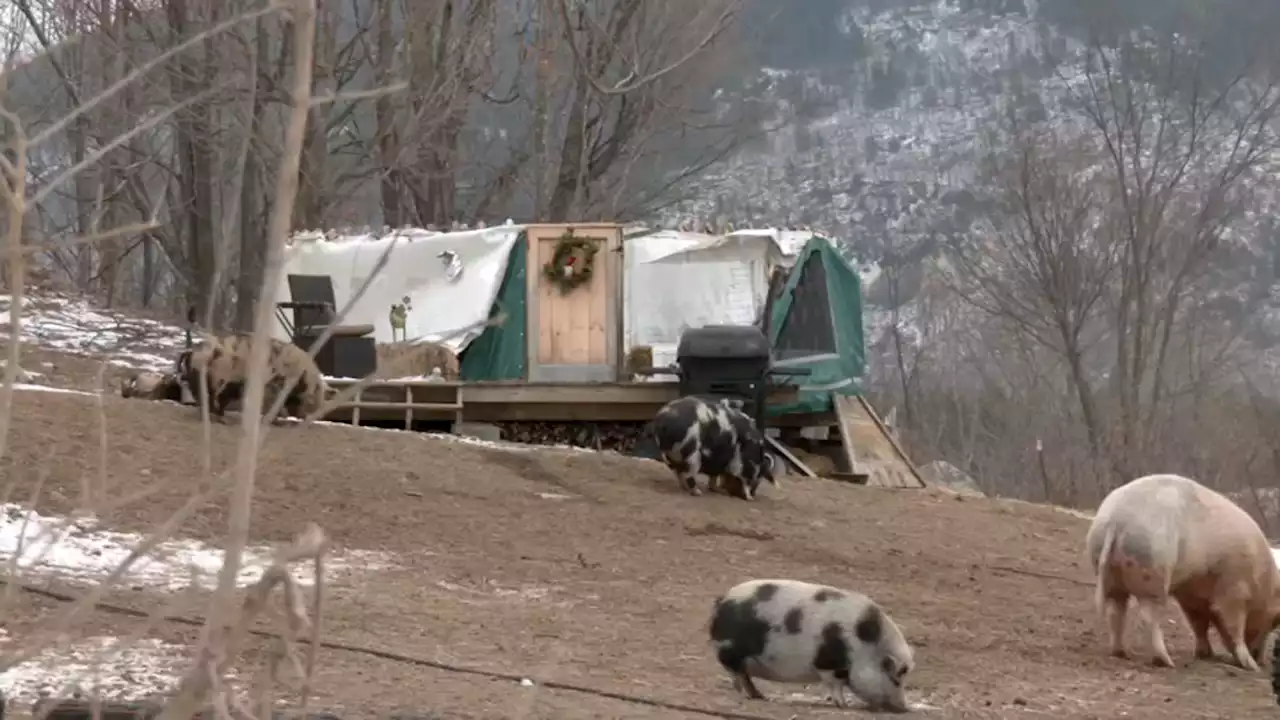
pixel 790 457
pixel 869 448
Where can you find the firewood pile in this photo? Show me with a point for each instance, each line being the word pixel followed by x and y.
pixel 617 436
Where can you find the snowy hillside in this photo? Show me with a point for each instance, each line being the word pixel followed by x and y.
pixel 891 165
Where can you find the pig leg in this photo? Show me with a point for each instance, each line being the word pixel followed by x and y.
pixel 835 687
pixel 1200 619
pixel 1199 614
pixel 685 468
pixel 1229 619
pixel 687 477
pixel 1116 610
pixel 734 662
pixel 1150 611
pixel 742 683
pixel 1115 604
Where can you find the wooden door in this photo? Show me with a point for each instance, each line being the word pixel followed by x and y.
pixel 575 337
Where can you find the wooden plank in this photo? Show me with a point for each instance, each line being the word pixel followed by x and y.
pixel 498 401
pixel 576 324
pixel 884 431
pixel 602 393
pixel 615 322
pixel 868 447
pixel 845 424
pixel 548 312
pixel 339 383
pixel 597 349
pixel 782 450
pixel 533 312
pixel 409 404
pixel 556 229
pixel 547 412
pixel 572 393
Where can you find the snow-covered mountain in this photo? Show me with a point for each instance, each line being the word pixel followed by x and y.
pixel 884 155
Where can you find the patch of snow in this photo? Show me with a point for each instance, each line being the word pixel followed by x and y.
pixel 73 549
pixel 805 698
pixel 528 593
pixel 71 325
pixel 1275 553
pixel 47 388
pixel 555 496
pixel 102 667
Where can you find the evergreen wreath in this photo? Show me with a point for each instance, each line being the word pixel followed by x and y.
pixel 573 262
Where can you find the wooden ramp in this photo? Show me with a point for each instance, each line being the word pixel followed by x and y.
pixel 869 448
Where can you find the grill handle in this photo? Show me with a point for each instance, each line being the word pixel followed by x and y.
pixel 789 372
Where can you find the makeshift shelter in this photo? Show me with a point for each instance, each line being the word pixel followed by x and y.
pixel 816 324
pixel 671 281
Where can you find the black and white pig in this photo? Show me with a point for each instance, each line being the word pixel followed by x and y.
pixel 714 439
pixel 797 632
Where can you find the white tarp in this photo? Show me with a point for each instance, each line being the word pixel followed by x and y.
pixel 415 269
pixel 678 280
pixel 791 242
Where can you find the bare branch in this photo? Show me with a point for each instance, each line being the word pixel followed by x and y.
pixel 633 81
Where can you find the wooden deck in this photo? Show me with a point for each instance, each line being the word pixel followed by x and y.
pixel 410 401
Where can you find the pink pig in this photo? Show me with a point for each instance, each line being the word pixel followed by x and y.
pixel 1163 536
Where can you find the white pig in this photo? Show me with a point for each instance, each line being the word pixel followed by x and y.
pixel 793 631
pixel 1163 536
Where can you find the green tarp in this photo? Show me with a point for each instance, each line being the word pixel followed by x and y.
pixel 499 353
pixel 830 372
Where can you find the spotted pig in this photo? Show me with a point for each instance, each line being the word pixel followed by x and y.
pixel 797 632
pixel 714 439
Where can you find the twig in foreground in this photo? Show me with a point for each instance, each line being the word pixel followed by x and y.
pixel 195 690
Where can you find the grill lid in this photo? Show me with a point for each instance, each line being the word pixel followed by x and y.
pixel 723 342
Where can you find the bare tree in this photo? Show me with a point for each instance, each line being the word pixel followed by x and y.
pixel 639 71
pixel 1185 143
pixel 1045 261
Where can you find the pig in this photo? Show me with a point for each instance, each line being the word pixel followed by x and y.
pixel 1163 536
pixel 713 438
pixel 797 632
pixel 217 368
pixel 152 386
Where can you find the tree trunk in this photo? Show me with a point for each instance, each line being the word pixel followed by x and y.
pixel 384 112
pixel 308 211
pixel 195 168
pixel 148 289
pixel 110 120
pixel 252 242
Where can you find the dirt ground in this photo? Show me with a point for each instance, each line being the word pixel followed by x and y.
pixel 594 570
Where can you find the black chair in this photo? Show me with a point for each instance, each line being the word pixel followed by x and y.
pixel 312 310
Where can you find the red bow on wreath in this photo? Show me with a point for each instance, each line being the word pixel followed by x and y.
pixel 564 269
